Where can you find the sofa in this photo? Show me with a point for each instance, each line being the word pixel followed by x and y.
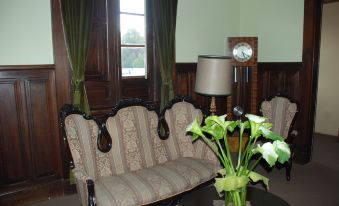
pixel 136 155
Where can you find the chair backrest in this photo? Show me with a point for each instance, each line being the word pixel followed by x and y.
pixel 134 136
pixel 280 111
pixel 82 136
pixel 178 115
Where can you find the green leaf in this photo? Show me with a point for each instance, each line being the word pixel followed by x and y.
pixel 222 172
pixel 215 130
pixel 267 125
pixel 268 134
pixel 211 120
pixel 230 183
pixel 195 128
pixel 195 137
pixel 231 125
pixel 268 153
pixel 255 177
pixel 283 151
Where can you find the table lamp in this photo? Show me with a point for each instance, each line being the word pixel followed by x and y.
pixel 214 77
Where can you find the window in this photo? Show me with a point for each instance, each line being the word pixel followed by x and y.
pixel 133 38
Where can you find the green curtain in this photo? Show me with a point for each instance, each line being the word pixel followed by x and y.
pixel 77 15
pixel 165 12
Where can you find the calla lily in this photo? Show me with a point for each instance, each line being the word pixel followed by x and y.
pixel 235 179
pixel 215 130
pixel 194 127
pixel 230 183
pixel 268 153
pixel 255 122
pixel 255 177
pixel 209 121
pixel 255 118
pixel 268 134
pixel 283 151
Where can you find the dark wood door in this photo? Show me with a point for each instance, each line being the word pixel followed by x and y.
pixel 29 137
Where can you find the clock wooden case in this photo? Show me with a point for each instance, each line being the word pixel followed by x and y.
pixel 244 53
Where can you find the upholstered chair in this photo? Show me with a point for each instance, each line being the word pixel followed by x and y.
pixel 281 111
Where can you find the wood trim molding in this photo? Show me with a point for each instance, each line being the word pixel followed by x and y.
pixel 329 1
pixel 309 76
pixel 62 69
pixel 27 67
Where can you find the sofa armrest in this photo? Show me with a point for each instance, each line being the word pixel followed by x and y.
pixel 84 179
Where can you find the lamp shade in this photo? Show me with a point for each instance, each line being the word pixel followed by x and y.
pixel 214 75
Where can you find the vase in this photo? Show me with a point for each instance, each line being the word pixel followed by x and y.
pixel 236 198
pixel 222 203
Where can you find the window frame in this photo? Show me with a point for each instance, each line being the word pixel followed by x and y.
pixel 146 45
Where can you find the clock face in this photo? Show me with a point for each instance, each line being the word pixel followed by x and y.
pixel 242 52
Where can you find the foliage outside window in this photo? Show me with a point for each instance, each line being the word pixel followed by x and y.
pixel 133 38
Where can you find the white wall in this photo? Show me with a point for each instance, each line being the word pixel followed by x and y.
pixel 278 25
pixel 203 26
pixel 327 113
pixel 26 34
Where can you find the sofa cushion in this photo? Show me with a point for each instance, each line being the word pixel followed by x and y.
pixel 179 143
pixel 134 136
pixel 154 183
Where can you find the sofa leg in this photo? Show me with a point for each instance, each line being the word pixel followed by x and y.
pixel 288 170
pixel 91 194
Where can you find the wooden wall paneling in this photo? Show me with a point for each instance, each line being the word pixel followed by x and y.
pixel 309 77
pixel 135 88
pixel 100 94
pixel 29 135
pixel 42 113
pixel 13 134
pixel 278 78
pixel 96 66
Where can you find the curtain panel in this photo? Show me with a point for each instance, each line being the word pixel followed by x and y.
pixel 77 19
pixel 165 12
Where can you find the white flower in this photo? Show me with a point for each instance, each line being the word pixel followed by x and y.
pixel 255 118
pixel 268 152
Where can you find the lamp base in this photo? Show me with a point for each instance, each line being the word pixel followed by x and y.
pixel 213 106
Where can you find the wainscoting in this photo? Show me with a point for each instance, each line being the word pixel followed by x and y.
pixel 30 144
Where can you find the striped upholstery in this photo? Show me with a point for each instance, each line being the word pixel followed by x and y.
pixel 280 111
pixel 179 144
pixel 149 185
pixel 82 136
pixel 134 134
pixel 140 168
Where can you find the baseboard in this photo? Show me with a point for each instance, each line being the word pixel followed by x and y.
pixel 326 135
pixel 36 193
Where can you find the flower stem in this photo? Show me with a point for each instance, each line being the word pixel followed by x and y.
pixel 228 151
pixel 240 149
pixel 255 164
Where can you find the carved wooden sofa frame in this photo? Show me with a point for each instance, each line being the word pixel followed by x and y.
pixel 176 150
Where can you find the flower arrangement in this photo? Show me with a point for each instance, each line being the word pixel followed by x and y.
pixel 234 178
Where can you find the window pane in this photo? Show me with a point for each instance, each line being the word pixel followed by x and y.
pixel 133 61
pixel 132 6
pixel 132 29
